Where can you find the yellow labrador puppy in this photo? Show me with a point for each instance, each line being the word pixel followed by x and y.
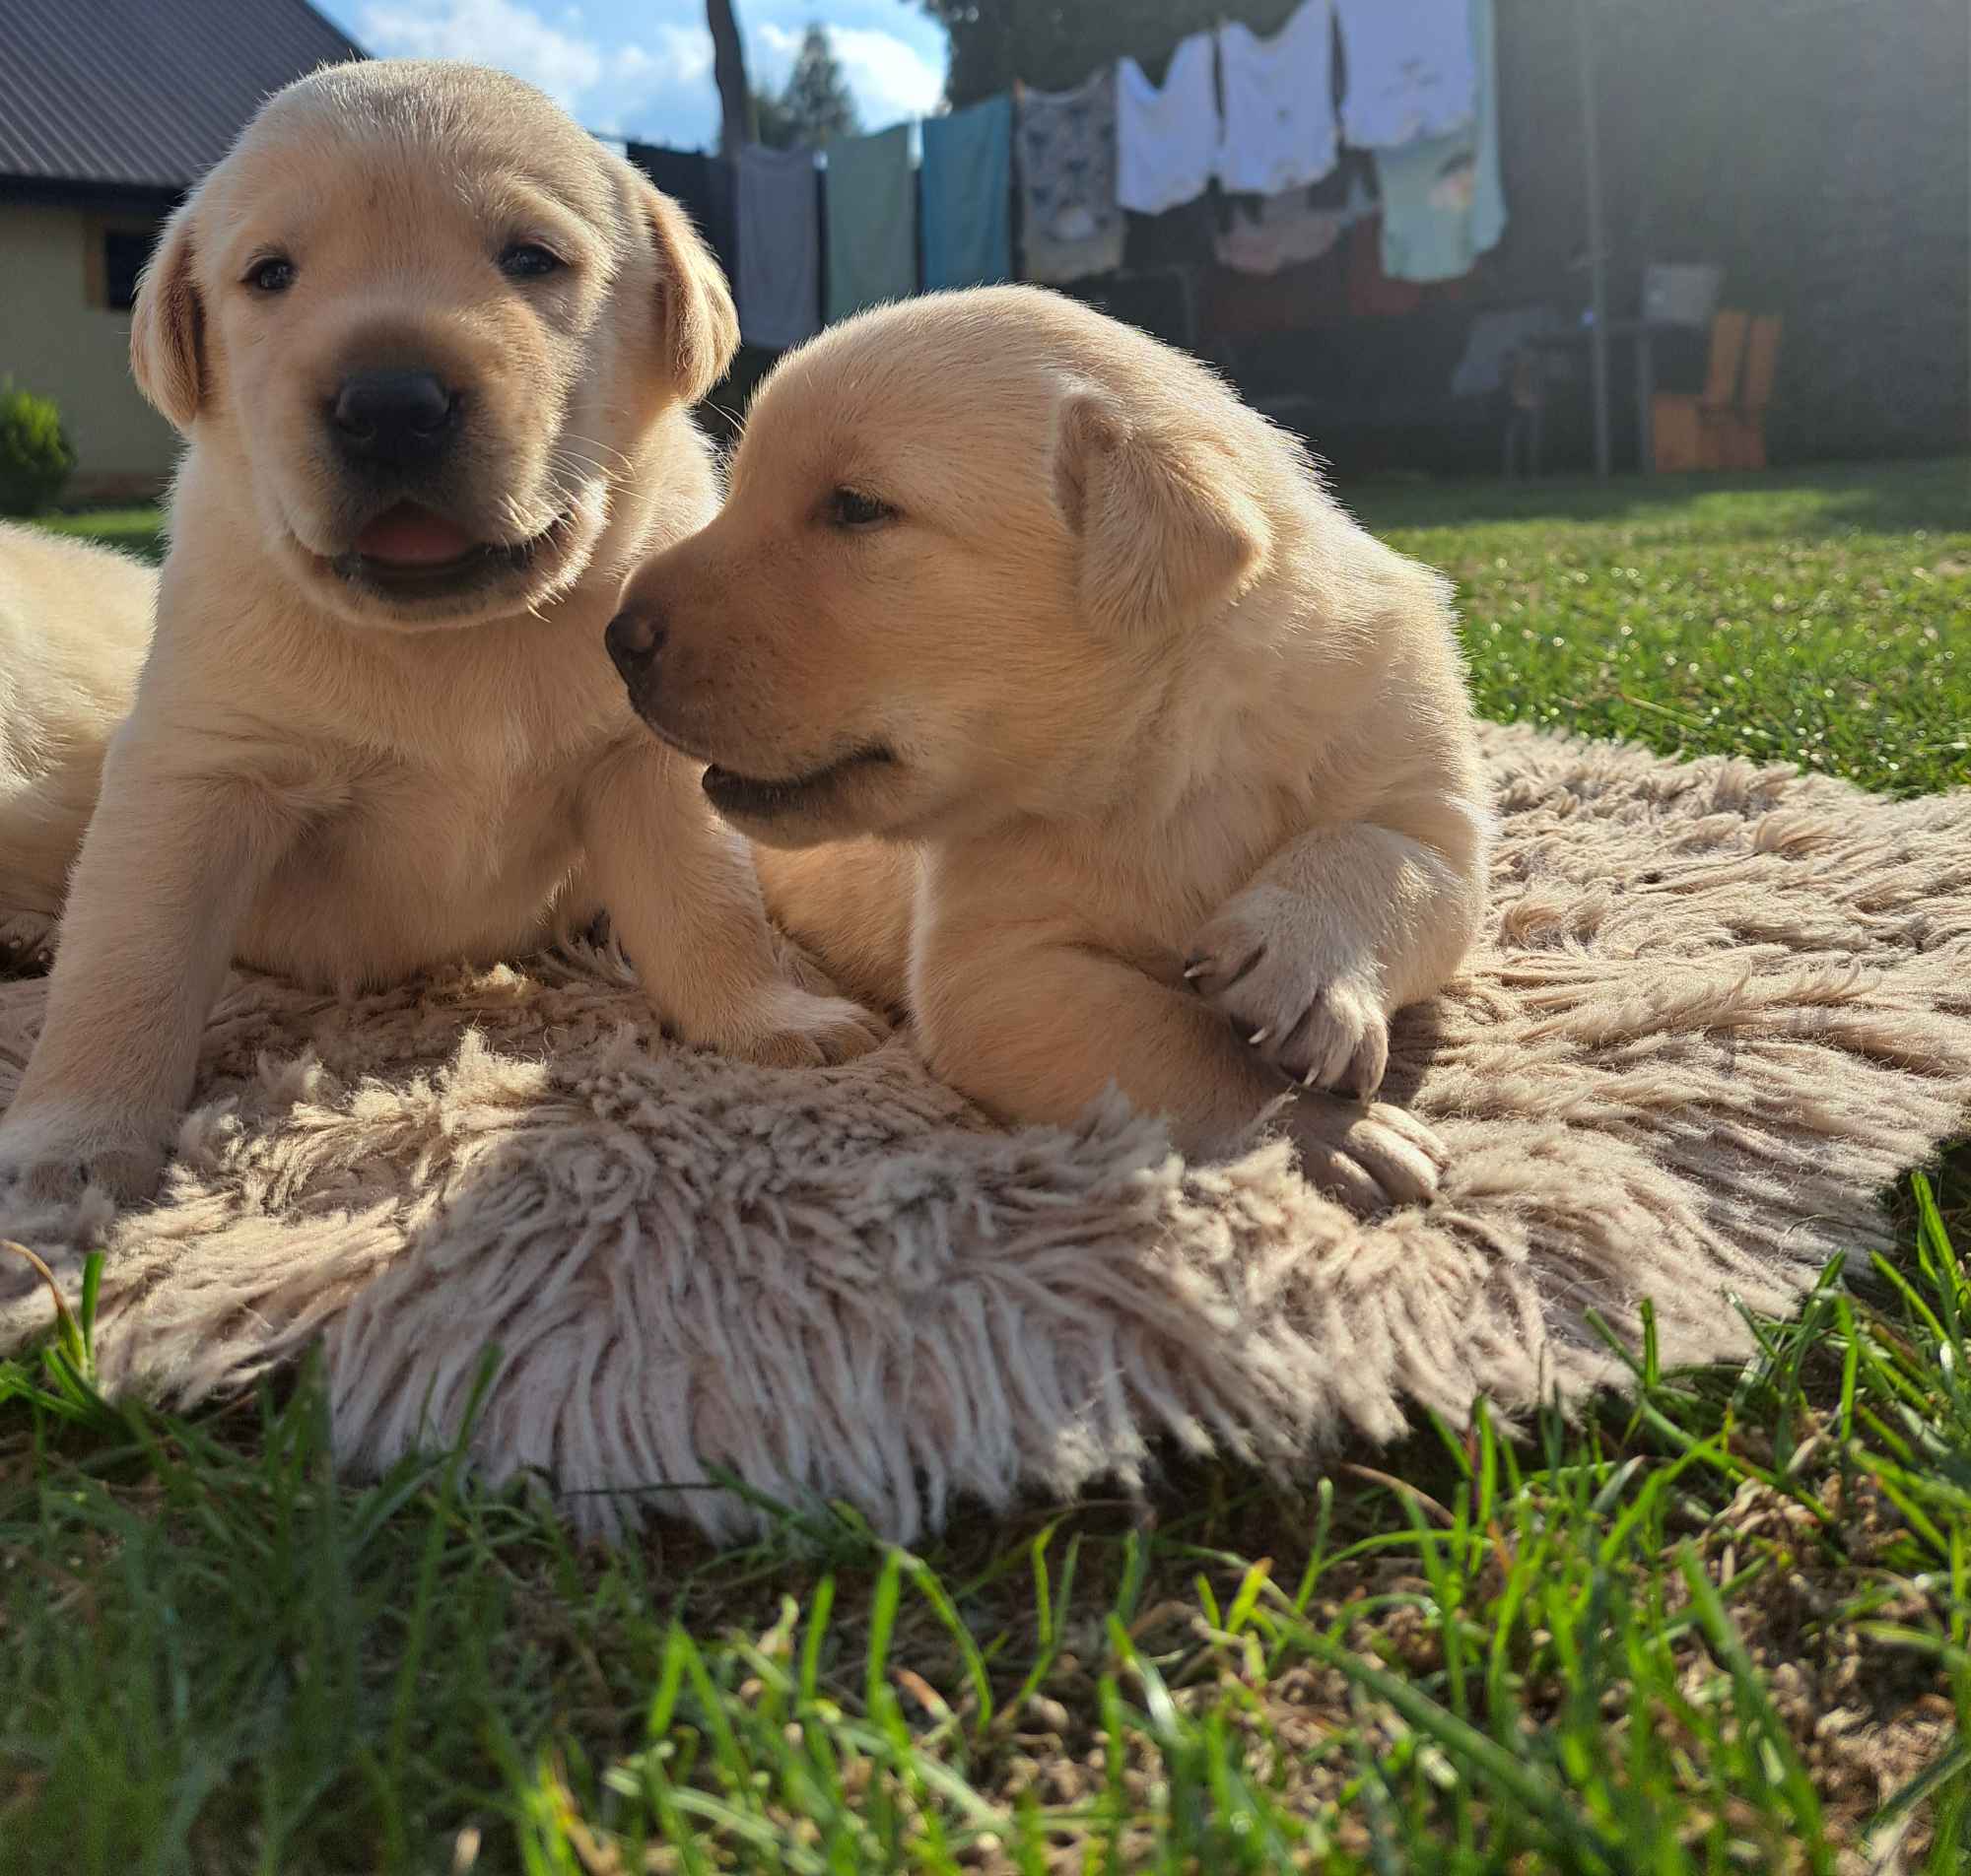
pixel 1095 733
pixel 74 623
pixel 430 346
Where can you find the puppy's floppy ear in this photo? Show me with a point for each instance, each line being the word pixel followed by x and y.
pixel 1168 530
pixel 168 327
pixel 699 328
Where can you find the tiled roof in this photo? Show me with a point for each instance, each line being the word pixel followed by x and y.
pixel 144 94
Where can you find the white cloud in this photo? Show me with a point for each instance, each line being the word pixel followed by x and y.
pixel 683 54
pixel 890 79
pixel 500 33
pixel 673 65
pixel 782 41
pixel 623 73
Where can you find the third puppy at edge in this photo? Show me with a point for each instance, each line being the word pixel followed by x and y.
pixel 1069 714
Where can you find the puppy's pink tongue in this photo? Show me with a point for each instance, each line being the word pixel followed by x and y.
pixel 414 537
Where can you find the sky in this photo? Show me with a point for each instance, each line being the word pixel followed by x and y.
pixel 643 68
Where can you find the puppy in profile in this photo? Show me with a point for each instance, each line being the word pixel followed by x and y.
pixel 430 346
pixel 1070 716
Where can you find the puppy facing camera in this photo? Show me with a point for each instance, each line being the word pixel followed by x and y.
pixel 432 347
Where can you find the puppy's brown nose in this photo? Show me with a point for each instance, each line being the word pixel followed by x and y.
pixel 634 640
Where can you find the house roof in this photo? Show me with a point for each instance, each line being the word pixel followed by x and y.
pixel 143 96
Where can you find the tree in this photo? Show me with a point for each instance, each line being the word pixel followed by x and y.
pixel 776 123
pixel 817 103
pixel 738 118
pixel 814 105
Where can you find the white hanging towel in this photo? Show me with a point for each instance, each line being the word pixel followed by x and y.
pixel 1166 140
pixel 1279 130
pixel 1410 71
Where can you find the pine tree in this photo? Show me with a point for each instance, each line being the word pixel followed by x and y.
pixel 816 104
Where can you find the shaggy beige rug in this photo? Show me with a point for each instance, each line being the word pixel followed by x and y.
pixel 1720 1010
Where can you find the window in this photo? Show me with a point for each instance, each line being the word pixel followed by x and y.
pixel 114 250
pixel 123 258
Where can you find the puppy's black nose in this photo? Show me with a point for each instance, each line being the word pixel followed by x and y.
pixel 397 419
pixel 634 640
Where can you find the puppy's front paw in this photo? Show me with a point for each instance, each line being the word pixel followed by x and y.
pixel 1372 1159
pixel 791 1028
pixel 1316 1018
pixel 51 1159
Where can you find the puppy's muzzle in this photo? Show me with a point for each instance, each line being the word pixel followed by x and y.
pixel 394 420
pixel 636 642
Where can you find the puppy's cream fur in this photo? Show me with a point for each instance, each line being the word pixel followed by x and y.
pixel 75 622
pixel 1072 716
pixel 343 780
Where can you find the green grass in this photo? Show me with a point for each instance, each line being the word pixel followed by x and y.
pixel 1723 1626
pixel 135 530
pixel 1822 620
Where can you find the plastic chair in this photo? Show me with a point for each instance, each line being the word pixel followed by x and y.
pixel 1696 431
pixel 1745 427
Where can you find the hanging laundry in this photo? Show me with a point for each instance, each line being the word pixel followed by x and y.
pixel 871 198
pixel 1443 203
pixel 780 246
pixel 1167 139
pixel 1274 232
pixel 967 182
pixel 1372 294
pixel 1410 71
pixel 1280 231
pixel 1071 223
pixel 1278 128
pixel 702 186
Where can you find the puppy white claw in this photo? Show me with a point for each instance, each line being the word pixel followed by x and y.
pixel 1313 1011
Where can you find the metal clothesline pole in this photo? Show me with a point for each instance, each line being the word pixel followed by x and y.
pixel 1597 259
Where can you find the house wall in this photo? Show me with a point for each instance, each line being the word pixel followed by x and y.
pixel 1818 148
pixel 57 339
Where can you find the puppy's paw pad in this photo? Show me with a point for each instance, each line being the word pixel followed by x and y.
pixel 795 1028
pixel 123 1178
pixel 44 1165
pixel 1371 1158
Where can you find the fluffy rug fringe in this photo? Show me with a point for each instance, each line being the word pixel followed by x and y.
pixel 1722 1009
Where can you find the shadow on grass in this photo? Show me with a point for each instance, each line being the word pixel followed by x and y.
pixel 1798 505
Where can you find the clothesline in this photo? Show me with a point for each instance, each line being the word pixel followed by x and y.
pixel 1253 117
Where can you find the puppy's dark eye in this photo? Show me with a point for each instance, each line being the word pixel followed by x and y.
pixel 275 274
pixel 529 260
pixel 851 509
